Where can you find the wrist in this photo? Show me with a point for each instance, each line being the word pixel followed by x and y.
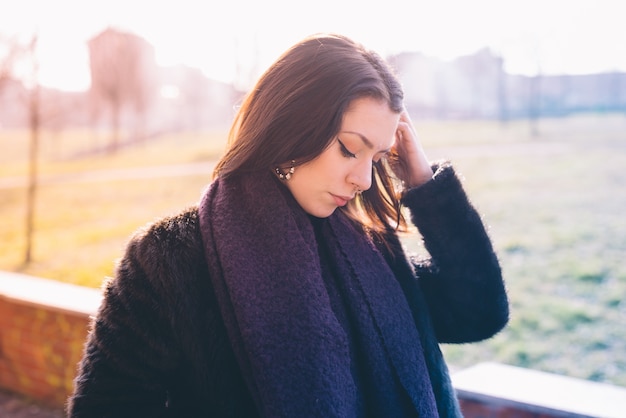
pixel 420 177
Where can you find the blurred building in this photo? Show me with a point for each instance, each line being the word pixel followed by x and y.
pixel 180 98
pixel 160 99
pixel 476 86
pixel 57 108
pixel 189 101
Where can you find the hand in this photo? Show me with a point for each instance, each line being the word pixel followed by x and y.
pixel 412 166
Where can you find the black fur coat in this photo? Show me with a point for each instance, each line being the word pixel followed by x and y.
pixel 159 348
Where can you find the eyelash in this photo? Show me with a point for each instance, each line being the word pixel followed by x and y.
pixel 346 153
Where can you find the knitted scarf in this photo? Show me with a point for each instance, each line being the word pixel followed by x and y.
pixel 293 352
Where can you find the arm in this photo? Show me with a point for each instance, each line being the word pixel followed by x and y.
pixel 462 281
pixel 130 352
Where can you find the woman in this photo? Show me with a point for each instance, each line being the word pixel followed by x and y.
pixel 286 292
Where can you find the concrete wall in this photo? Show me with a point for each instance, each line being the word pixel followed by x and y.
pixel 490 390
pixel 43 325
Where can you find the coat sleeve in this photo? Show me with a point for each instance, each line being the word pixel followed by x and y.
pixel 462 279
pixel 131 351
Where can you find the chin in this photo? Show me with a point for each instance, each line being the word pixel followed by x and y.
pixel 322 213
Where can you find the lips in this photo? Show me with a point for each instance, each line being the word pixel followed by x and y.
pixel 341 200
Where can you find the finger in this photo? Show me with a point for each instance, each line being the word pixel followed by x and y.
pixel 404 117
pixel 405 136
pixel 401 133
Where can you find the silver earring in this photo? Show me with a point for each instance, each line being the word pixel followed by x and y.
pixel 286 175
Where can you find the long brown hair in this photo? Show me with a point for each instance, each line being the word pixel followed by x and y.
pixel 296 109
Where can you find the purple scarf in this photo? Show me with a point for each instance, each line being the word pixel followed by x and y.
pixel 293 352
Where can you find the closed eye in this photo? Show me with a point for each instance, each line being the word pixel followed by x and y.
pixel 345 151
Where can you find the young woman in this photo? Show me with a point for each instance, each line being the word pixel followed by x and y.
pixel 286 292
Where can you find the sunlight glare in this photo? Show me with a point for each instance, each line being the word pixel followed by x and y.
pixel 235 41
pixel 169 91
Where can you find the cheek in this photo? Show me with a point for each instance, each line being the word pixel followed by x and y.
pixel 325 170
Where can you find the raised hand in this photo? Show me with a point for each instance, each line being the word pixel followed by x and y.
pixel 412 166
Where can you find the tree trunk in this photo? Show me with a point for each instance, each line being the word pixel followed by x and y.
pixel 31 196
pixel 115 125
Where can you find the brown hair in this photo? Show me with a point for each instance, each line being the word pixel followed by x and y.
pixel 296 109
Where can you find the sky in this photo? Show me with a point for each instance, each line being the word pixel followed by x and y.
pixel 233 40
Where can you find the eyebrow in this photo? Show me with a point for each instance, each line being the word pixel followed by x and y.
pixel 367 142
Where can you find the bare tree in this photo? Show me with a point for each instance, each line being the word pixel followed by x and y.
pixel 534 103
pixel 502 92
pixel 10 51
pixel 15 52
pixel 535 90
pixel 39 109
pixel 122 67
pixel 34 124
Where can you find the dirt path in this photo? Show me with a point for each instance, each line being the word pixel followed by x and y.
pixel 206 168
pixel 117 174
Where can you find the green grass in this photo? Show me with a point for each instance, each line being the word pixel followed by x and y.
pixel 554 205
pixel 81 228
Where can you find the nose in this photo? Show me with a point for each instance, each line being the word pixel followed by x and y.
pixel 361 175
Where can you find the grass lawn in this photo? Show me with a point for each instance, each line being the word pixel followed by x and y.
pixel 553 203
pixel 555 207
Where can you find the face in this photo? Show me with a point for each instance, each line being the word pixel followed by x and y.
pixel 333 178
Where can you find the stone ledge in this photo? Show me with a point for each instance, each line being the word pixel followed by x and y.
pixel 43 327
pixel 539 392
pixel 51 294
pixel 34 364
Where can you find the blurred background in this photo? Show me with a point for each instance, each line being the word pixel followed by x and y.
pixel 113 113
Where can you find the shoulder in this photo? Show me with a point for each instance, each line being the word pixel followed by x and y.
pixel 178 227
pixel 174 233
pixel 165 248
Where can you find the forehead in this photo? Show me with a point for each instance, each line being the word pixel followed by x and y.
pixel 372 119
